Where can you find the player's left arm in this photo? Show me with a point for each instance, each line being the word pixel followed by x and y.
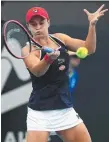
pixel 90 41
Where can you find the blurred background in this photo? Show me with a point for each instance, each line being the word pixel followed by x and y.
pixel 91 97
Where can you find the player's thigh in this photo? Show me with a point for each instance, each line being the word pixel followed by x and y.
pixel 37 136
pixel 79 133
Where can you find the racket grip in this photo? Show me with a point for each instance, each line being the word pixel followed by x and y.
pixel 47 49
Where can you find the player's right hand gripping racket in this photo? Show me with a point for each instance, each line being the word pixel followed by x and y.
pixel 15 31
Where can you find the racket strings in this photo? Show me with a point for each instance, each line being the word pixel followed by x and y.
pixel 16 39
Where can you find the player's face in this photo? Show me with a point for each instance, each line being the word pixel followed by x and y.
pixel 38 26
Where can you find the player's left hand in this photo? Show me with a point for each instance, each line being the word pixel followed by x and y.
pixel 93 17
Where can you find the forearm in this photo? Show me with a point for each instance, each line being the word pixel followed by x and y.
pixel 90 42
pixel 42 66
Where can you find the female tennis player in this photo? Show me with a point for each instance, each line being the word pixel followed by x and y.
pixel 50 106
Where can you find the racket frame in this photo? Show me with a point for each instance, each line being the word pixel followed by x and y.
pixel 28 35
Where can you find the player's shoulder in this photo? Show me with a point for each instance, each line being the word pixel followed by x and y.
pixel 60 36
pixel 25 50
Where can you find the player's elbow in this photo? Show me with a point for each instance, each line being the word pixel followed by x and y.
pixel 92 50
pixel 37 73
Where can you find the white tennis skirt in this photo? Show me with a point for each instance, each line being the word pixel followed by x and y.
pixel 52 120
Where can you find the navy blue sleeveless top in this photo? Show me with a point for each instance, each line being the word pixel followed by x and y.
pixel 51 91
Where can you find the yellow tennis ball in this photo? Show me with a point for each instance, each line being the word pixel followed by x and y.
pixel 82 52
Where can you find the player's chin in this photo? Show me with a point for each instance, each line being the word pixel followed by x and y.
pixel 38 36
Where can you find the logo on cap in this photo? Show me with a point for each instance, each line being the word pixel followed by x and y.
pixel 35 10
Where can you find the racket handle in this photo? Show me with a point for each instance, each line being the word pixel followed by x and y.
pixel 47 49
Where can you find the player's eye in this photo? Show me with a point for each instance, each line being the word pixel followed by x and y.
pixel 41 23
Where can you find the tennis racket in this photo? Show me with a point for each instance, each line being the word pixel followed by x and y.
pixel 15 32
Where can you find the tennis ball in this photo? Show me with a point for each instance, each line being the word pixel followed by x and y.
pixel 82 52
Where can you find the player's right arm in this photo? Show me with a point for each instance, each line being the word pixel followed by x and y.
pixel 37 66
